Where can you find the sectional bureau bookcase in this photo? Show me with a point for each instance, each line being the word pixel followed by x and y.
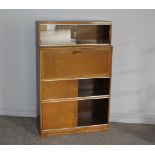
pixel 74 65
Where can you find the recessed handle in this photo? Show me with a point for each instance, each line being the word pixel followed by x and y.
pixel 77 51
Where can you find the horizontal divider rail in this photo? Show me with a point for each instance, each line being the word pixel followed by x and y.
pixel 76 98
pixel 78 78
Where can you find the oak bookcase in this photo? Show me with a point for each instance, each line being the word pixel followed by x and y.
pixel 74 65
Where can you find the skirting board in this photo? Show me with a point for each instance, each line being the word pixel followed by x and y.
pixel 132 118
pixel 21 112
pixel 114 117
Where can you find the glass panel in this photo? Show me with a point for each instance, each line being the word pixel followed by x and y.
pixel 93 87
pixel 93 112
pixel 93 34
pixel 51 34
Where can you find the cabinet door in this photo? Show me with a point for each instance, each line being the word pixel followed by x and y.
pixel 75 62
pixel 59 89
pixel 57 115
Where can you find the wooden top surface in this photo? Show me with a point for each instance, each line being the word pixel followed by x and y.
pixel 99 22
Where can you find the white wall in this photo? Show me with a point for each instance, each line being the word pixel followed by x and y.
pixel 133 84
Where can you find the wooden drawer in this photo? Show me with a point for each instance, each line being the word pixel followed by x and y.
pixel 75 62
pixel 59 115
pixel 59 89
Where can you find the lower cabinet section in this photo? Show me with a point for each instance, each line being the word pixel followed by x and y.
pixel 62 115
pixel 74 106
pixel 57 115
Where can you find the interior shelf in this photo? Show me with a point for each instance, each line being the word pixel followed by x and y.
pixel 76 98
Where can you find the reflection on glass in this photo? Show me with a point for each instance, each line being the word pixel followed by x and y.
pixel 56 34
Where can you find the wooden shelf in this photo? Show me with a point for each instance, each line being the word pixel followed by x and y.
pixel 75 98
pixel 77 78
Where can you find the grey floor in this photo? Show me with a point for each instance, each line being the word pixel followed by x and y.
pixel 19 130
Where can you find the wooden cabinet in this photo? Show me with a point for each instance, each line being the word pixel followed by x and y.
pixel 74 64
